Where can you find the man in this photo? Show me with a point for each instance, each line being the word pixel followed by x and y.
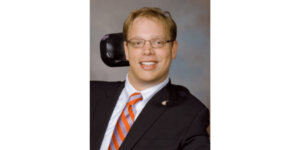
pixel 147 111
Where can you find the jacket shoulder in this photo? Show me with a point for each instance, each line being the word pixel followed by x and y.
pixel 104 84
pixel 183 95
pixel 100 88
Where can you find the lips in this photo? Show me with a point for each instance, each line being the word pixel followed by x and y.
pixel 148 65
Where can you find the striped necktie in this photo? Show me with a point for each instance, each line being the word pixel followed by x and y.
pixel 125 122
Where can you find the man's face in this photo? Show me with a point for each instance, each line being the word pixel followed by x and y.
pixel 148 65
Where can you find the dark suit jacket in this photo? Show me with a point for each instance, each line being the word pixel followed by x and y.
pixel 180 124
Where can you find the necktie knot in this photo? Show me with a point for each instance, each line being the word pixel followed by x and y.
pixel 134 98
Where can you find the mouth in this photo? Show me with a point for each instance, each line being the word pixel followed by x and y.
pixel 148 65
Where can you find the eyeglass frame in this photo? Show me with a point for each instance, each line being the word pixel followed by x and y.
pixel 150 41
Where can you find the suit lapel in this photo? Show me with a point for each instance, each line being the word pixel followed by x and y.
pixel 151 112
pixel 104 111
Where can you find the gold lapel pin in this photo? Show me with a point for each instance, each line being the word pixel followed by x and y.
pixel 164 103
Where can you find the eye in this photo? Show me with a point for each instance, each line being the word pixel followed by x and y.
pixel 158 42
pixel 137 43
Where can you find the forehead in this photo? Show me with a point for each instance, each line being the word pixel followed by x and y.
pixel 147 28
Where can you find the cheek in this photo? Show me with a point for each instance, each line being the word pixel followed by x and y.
pixel 133 55
pixel 165 56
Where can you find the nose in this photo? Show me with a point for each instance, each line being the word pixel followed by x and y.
pixel 148 48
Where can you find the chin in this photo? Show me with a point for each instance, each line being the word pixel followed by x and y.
pixel 148 78
pixel 151 78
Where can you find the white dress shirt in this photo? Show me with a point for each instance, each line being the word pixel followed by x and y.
pixel 121 103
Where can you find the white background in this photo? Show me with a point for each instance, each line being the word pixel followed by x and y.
pixel 44 79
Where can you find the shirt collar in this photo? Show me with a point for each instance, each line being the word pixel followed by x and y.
pixel 146 93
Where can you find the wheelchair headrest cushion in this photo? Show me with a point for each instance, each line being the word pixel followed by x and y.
pixel 112 50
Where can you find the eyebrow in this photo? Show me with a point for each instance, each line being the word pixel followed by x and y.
pixel 140 38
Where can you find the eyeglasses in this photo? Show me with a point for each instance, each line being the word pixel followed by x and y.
pixel 155 43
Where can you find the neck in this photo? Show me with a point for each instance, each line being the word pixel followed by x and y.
pixel 142 85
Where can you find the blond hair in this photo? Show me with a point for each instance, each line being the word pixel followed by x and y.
pixel 152 13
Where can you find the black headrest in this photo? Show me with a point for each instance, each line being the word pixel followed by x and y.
pixel 112 50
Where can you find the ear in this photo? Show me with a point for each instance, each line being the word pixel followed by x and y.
pixel 174 49
pixel 126 49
